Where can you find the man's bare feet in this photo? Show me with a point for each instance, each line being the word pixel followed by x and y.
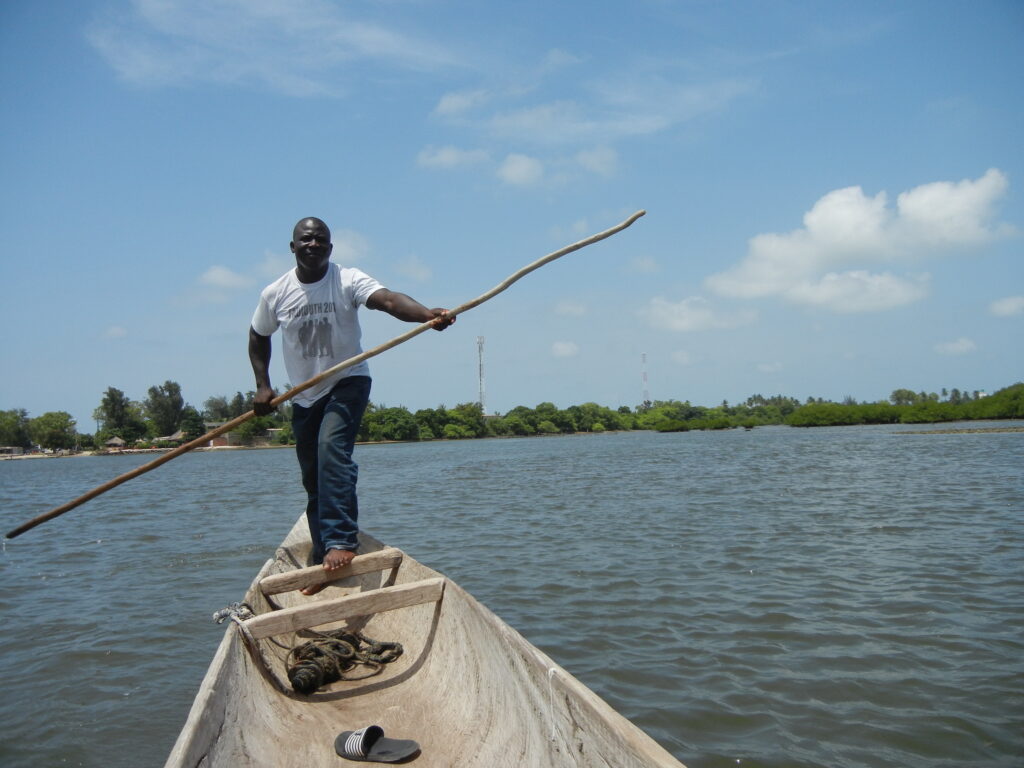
pixel 337 558
pixel 333 560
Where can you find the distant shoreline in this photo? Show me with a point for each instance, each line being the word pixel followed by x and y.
pixel 962 431
pixel 134 451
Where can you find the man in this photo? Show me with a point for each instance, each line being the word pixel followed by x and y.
pixel 315 305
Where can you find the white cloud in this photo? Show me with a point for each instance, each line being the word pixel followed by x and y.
pixel 350 247
pixel 650 97
pixel 564 349
pixel 301 47
pixel 961 346
pixel 681 356
pixel 521 170
pixel 413 268
pixel 637 103
pixel 845 228
pixel 115 332
pixel 556 59
pixel 571 308
pixel 947 214
pixel 1007 307
pixel 450 157
pixel 460 102
pixel 692 314
pixel 773 367
pixel 601 160
pixel 558 122
pixel 224 278
pixel 859 291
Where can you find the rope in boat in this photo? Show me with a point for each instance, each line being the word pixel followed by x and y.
pixel 237 612
pixel 324 659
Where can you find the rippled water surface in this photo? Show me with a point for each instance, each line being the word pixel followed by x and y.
pixel 779 597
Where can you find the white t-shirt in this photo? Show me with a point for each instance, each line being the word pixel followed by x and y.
pixel 319 324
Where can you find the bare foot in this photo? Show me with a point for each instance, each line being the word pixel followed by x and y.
pixel 337 558
pixel 333 560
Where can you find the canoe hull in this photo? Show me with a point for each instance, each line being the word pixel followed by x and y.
pixel 469 688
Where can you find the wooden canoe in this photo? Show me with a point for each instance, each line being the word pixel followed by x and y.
pixel 468 688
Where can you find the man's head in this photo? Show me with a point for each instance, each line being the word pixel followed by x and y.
pixel 311 244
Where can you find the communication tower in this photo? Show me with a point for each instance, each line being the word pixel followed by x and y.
pixel 643 378
pixel 480 358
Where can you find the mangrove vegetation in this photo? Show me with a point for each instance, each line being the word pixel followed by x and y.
pixel 164 419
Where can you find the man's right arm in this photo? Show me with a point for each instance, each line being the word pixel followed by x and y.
pixel 259 356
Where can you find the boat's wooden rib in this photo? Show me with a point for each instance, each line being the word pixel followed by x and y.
pixel 348 607
pixel 389 557
pixel 469 688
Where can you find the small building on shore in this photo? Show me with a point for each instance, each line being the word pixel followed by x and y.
pixel 221 441
pixel 177 437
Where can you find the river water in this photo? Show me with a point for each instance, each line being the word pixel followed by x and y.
pixel 846 596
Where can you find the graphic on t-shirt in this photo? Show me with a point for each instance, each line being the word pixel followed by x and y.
pixel 315 334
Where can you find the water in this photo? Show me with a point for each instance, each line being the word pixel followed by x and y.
pixel 829 597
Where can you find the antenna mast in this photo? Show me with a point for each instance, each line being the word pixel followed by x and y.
pixel 480 358
pixel 643 377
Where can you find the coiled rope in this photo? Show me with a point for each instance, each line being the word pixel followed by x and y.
pixel 326 658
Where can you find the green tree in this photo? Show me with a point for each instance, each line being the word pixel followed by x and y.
pixel 587 415
pixel 515 424
pixel 286 436
pixel 929 412
pixel 54 430
pixel 192 423
pixel 14 428
pixel 119 416
pixel 241 404
pixel 431 422
pixel 393 424
pixel 904 397
pixel 164 408
pixel 469 417
pixel 524 418
pixel 256 427
pixel 217 408
pixel 1005 403
pixel 668 415
pixel 454 431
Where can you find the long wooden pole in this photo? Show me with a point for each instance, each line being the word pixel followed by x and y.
pixel 239 420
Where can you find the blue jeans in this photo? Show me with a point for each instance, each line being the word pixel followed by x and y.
pixel 325 434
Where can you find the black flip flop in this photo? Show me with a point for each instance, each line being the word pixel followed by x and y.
pixel 369 745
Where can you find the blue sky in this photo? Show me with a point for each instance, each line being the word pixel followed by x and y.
pixel 834 193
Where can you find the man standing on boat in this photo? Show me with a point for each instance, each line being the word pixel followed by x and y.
pixel 315 305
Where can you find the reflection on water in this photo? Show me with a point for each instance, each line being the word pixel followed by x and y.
pixel 779 597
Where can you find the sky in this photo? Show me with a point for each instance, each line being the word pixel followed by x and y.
pixel 834 194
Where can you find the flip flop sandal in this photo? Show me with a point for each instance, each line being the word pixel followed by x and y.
pixel 369 745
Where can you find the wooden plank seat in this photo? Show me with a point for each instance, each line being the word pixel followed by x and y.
pixel 276 583
pixel 360 604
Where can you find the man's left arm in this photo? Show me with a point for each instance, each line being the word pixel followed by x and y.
pixel 406 308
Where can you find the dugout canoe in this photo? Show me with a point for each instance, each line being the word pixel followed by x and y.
pixel 468 688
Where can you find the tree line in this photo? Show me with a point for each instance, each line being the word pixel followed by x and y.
pixel 164 418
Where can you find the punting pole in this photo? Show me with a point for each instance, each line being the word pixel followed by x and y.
pixel 239 420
